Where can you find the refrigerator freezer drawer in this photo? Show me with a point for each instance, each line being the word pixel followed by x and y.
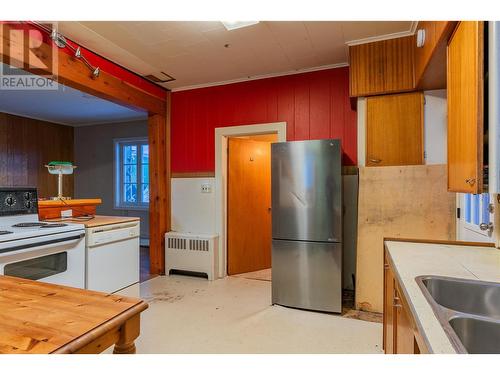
pixel 307 275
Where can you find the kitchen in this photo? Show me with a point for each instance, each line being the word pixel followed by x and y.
pixel 268 189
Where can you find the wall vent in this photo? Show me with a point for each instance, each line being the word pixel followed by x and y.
pixel 155 79
pixel 191 253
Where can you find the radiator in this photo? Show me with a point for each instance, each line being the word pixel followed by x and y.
pixel 191 252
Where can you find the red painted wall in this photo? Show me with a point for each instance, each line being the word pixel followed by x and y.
pixel 315 105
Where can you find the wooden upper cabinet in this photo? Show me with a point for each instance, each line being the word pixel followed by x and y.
pixel 465 108
pixel 382 67
pixel 430 59
pixel 394 129
pixel 399 66
pixel 366 68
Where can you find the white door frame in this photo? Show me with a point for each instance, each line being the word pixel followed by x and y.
pixel 221 136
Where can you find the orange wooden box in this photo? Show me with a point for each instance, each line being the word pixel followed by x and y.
pixel 51 209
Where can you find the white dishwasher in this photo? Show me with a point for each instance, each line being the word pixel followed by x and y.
pixel 112 256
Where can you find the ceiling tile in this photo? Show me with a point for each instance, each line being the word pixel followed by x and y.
pixel 194 52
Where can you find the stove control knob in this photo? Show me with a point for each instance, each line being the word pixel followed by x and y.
pixel 27 196
pixel 10 200
pixel 27 204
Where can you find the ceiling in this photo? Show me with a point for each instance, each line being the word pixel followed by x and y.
pixel 200 53
pixel 65 106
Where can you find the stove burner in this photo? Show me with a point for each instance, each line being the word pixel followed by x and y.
pixel 4 232
pixel 27 225
pixel 54 225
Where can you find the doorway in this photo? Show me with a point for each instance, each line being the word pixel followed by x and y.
pixel 249 203
pixel 222 136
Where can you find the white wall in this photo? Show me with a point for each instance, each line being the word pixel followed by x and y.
pixel 94 156
pixel 192 210
pixel 435 115
pixel 435 111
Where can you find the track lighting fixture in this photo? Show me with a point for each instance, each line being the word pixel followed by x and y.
pixel 60 41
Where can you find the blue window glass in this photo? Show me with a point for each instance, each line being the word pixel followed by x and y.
pixel 132 160
pixel 467 207
pixel 485 212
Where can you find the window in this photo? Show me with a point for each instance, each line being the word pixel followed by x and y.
pixel 132 173
pixel 474 211
pixel 476 208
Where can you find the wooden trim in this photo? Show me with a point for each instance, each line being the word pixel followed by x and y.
pixel 192 174
pixel 82 342
pixel 159 175
pixel 440 242
pixel 75 74
pixel 69 202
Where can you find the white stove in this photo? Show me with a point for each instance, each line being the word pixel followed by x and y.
pixel 45 251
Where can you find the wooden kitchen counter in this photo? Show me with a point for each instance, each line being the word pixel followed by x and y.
pixel 44 318
pixel 100 220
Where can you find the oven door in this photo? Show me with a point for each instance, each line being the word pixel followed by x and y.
pixel 56 258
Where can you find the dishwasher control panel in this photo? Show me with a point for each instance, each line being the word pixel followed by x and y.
pixel 112 233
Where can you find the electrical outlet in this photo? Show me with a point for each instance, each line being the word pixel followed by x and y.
pixel 206 188
pixel 67 213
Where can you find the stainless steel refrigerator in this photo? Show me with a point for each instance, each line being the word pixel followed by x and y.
pixel 307 224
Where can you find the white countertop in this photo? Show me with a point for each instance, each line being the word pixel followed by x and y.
pixel 410 260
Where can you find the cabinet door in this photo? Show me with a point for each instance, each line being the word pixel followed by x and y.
pixel 399 63
pixel 382 67
pixel 404 337
pixel 388 309
pixel 465 108
pixel 394 130
pixel 366 69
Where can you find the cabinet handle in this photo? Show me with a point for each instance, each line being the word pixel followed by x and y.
pixel 396 303
pixel 386 266
pixel 376 161
pixel 470 181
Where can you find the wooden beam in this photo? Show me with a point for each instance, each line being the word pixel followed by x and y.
pixel 159 175
pixel 192 174
pixel 74 73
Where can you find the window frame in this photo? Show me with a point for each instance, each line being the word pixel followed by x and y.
pixel 118 194
pixel 468 231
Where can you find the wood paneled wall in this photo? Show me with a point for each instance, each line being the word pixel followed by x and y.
pixel 315 105
pixel 26 145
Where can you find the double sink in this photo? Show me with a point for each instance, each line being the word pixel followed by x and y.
pixel 468 310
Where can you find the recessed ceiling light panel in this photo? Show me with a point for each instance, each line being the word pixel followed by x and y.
pixel 231 25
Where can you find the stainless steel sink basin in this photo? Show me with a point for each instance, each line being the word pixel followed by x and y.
pixel 468 310
pixel 478 336
pixel 467 296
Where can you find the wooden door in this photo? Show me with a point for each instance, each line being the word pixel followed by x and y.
pixel 388 309
pixel 465 108
pixel 248 206
pixel 395 129
pixel 404 342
